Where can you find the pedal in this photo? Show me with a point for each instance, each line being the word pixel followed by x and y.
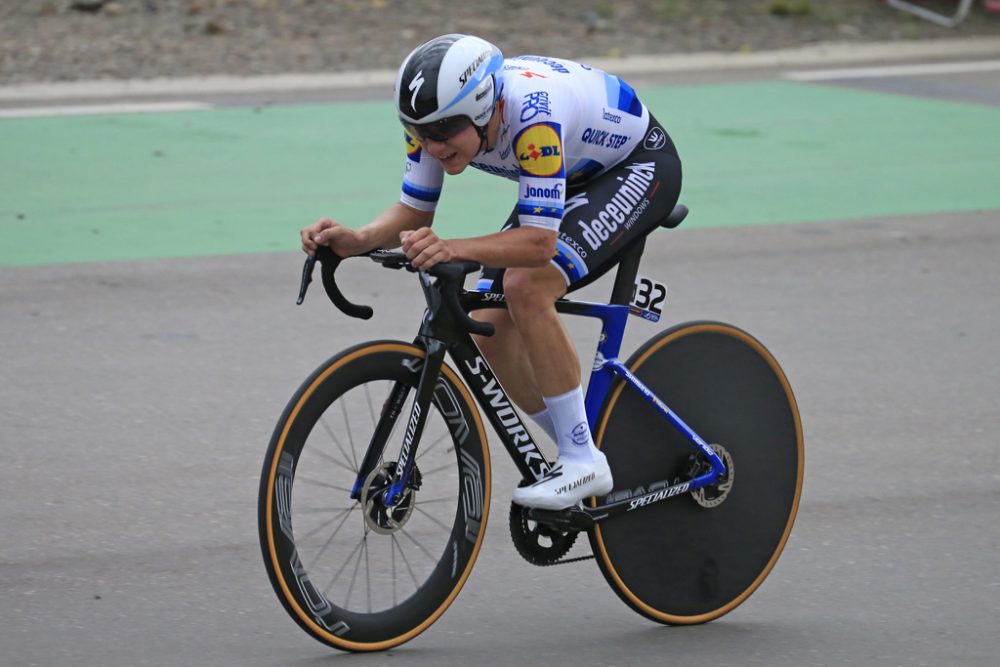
pixel 571 518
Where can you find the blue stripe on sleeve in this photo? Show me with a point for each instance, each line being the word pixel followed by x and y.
pixel 570 262
pixel 540 209
pixel 423 194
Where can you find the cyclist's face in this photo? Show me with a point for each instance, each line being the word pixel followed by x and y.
pixel 454 153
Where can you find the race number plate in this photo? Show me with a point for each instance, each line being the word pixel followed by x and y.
pixel 647 298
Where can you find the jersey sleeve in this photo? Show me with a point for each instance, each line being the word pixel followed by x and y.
pixel 542 182
pixel 423 177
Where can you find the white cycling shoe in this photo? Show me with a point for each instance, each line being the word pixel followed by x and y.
pixel 566 484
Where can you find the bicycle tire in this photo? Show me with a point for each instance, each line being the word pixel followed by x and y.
pixel 678 562
pixel 310 527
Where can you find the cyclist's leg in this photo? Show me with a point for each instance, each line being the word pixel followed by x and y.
pixel 582 471
pixel 531 296
pixel 603 217
pixel 504 351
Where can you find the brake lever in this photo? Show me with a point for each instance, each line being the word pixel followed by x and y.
pixel 307 277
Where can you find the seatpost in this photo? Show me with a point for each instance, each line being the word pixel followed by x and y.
pixel 628 268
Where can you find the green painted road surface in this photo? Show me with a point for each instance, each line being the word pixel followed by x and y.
pixel 243 180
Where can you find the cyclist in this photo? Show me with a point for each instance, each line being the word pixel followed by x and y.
pixel 594 170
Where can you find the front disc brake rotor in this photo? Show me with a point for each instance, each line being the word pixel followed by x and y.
pixel 379 517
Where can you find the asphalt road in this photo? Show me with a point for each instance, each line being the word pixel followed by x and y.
pixel 138 398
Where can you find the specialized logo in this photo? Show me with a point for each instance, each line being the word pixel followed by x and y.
pixel 531 75
pixel 414 86
pixel 539 150
pixel 580 481
pixel 655 140
pixel 650 498
pixel 463 78
pixel 625 206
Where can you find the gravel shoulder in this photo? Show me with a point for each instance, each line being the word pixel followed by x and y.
pixel 49 40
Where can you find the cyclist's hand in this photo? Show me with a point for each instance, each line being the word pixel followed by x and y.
pixel 424 249
pixel 325 232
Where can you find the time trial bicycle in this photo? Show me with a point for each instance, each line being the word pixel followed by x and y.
pixel 375 489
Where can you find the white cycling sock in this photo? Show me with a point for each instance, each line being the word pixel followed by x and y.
pixel 569 420
pixel 544 419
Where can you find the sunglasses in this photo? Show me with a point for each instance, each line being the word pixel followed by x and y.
pixel 439 130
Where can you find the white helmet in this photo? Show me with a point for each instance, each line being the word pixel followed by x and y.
pixel 447 82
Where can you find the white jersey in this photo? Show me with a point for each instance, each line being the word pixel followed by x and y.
pixel 562 124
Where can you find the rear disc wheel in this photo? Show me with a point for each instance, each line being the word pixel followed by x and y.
pixel 693 558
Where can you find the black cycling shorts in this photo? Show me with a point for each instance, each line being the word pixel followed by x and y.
pixel 604 215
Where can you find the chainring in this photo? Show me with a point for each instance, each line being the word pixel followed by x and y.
pixel 538 543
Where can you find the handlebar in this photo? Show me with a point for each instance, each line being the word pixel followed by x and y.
pixel 450 275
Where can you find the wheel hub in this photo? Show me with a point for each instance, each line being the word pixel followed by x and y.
pixel 714 495
pixel 379 517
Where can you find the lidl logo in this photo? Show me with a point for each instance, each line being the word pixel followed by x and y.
pixel 539 150
pixel 412 145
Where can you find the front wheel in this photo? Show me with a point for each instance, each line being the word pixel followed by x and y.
pixel 353 573
pixel 693 558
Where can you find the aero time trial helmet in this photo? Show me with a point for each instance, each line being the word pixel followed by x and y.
pixel 446 84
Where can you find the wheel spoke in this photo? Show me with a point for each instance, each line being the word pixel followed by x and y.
pixel 437 500
pixel 310 480
pixel 327 544
pixel 333 459
pixel 446 527
pixel 336 441
pixel 419 545
pixel 354 575
pixel 392 560
pixel 406 561
pixel 325 524
pixel 319 510
pixel 368 577
pixel 433 444
pixel 347 424
pixel 341 569
pixel 438 469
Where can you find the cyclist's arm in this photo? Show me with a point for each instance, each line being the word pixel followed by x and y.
pixel 523 246
pixel 382 232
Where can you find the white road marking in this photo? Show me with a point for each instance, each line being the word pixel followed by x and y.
pixel 925 69
pixel 817 55
pixel 93 109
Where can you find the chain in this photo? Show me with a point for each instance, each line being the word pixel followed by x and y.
pixel 567 561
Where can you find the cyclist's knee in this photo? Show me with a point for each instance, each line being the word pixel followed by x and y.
pixel 503 326
pixel 530 288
